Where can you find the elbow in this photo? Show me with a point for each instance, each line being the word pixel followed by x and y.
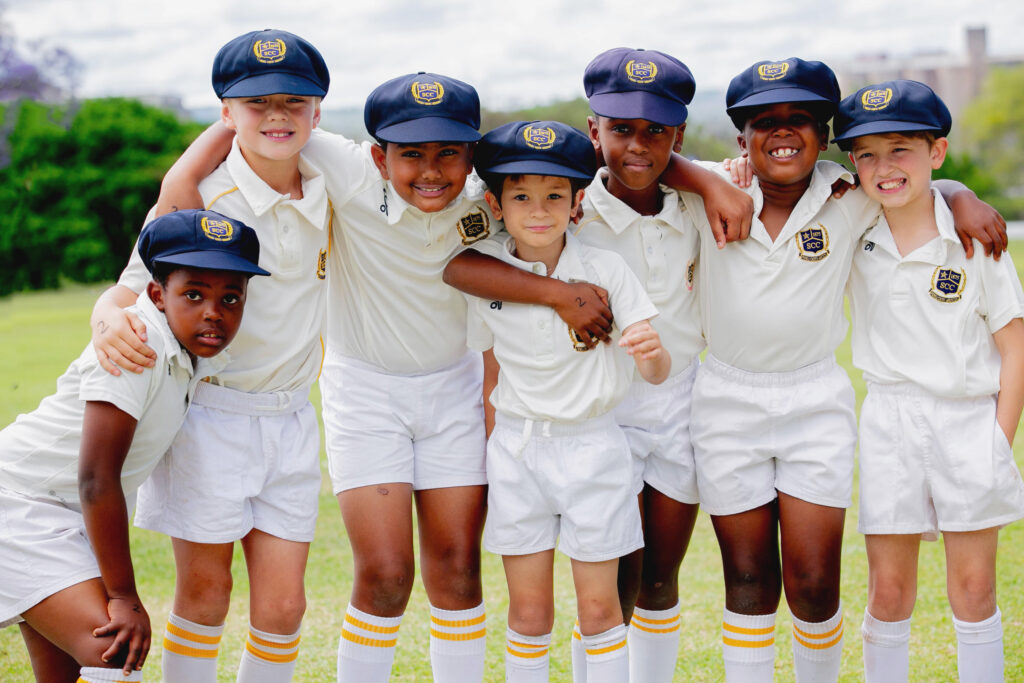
pixel 93 487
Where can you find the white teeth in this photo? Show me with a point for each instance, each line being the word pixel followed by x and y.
pixel 783 152
pixel 890 184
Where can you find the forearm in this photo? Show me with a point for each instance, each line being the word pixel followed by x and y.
pixel 106 524
pixel 179 188
pixel 112 301
pixel 489 278
pixel 655 370
pixel 686 176
pixel 1011 392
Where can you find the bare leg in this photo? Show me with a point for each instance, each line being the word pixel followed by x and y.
pixel 202 590
pixel 892 575
pixel 451 522
pixel 812 540
pixel 668 525
pixel 971 573
pixel 531 592
pixel 50 664
pixel 277 593
pixel 750 559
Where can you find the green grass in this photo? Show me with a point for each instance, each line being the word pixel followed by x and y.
pixel 41 333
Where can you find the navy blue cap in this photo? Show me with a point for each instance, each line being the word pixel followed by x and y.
pixel 536 148
pixel 268 62
pixel 623 83
pixel 891 107
pixel 423 107
pixel 789 80
pixel 201 239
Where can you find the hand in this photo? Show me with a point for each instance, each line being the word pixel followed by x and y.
pixel 642 340
pixel 130 622
pixel 740 170
pixel 584 308
pixel 729 211
pixel 976 219
pixel 840 186
pixel 119 338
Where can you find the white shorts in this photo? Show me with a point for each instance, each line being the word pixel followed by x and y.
pixel 755 433
pixel 561 483
pixel 240 462
pixel 43 550
pixel 930 464
pixel 425 430
pixel 656 421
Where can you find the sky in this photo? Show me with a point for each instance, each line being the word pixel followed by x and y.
pixel 516 52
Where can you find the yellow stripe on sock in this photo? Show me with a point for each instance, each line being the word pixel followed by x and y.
pixel 637 617
pixel 818 636
pixel 818 646
pixel 370 627
pixel 747 631
pixel 443 635
pixel 186 651
pixel 576 634
pixel 611 648
pixel 459 622
pixel 269 643
pixel 527 655
pixel 638 627
pixel 748 643
pixel 369 642
pixel 194 637
pixel 529 646
pixel 270 656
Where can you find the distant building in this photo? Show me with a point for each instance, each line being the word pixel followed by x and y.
pixel 957 78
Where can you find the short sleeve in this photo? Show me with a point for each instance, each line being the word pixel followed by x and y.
pixel 346 165
pixel 1003 298
pixel 478 335
pixel 128 391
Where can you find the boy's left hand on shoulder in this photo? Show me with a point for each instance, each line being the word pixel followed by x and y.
pixel 129 624
pixel 729 211
pixel 977 220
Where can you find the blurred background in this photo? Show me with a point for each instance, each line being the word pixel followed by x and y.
pixel 98 97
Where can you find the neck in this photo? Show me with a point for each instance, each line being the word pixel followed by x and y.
pixel 646 201
pixel 281 175
pixel 783 196
pixel 913 224
pixel 547 255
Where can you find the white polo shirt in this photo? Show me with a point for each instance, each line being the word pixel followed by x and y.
pixel 928 317
pixel 389 306
pixel 39 451
pixel 662 252
pixel 777 306
pixel 544 374
pixel 278 346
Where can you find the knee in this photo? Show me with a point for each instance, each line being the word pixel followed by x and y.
pixel 455 573
pixel 891 596
pixel 281 613
pixel 204 597
pixel 531 619
pixel 815 596
pixel 597 617
pixel 972 596
pixel 752 590
pixel 386 584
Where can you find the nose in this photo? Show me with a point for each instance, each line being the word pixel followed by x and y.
pixel 430 168
pixel 638 144
pixel 212 311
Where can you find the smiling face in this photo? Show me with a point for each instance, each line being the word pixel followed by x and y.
pixel 203 307
pixel 896 170
pixel 271 127
pixel 536 210
pixel 427 175
pixel 783 142
pixel 636 151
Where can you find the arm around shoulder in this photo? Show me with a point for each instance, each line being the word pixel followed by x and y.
pixel 973 218
pixel 119 337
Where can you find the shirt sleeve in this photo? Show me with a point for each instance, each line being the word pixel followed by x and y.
pixel 347 165
pixel 629 301
pixel 1002 297
pixel 127 392
pixel 478 335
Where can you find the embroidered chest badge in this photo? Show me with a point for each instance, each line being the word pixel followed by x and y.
pixel 474 227
pixel 948 284
pixel 691 272
pixel 812 243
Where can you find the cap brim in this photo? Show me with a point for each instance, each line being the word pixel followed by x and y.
pixel 779 96
pixel 639 105
pixel 273 83
pixel 213 260
pixel 880 127
pixel 537 167
pixel 428 129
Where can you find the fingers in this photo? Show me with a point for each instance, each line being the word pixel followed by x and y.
pixel 968 245
pixel 139 328
pixel 106 364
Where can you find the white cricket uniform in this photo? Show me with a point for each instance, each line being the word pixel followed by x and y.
pixel 772 411
pixel 43 544
pixel 932 456
pixel 662 251
pixel 556 459
pixel 401 391
pixel 248 456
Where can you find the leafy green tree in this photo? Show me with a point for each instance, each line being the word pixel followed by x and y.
pixel 993 126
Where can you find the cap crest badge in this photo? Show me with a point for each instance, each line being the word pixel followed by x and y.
pixel 427 93
pixel 218 231
pixel 269 51
pixel 772 72
pixel 539 138
pixel 875 100
pixel 641 72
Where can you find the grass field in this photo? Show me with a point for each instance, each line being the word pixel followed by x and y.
pixel 41 333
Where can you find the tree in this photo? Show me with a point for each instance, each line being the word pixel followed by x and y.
pixel 994 130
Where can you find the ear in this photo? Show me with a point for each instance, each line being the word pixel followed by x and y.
pixel 824 137
pixel 156 294
pixel 593 127
pixel 677 144
pixel 316 112
pixel 577 206
pixel 379 155
pixel 938 152
pixel 225 115
pixel 741 140
pixel 492 202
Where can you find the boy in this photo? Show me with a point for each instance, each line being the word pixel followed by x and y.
pixel 245 466
pixel 69 470
pixel 940 339
pixel 556 459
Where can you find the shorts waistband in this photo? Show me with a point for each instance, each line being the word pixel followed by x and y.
pixel 245 403
pixel 771 379
pixel 348 361
pixel 913 389
pixel 548 428
pixel 639 387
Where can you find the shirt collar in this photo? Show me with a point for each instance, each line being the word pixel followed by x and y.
pixel 569 265
pixel 935 251
pixel 618 215
pixel 262 198
pixel 160 336
pixel 819 191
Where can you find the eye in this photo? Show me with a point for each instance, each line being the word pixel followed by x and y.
pixel 193 295
pixel 520 197
pixel 799 120
pixel 763 124
pixel 411 154
pixel 620 129
pixel 864 155
pixel 256 100
pixel 449 152
pixel 655 129
pixel 555 196
pixel 293 99
pixel 231 299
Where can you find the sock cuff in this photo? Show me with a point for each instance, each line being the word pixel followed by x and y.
pixel 885 633
pixel 368 638
pixel 748 638
pixel 977 632
pixel 610 644
pixel 653 623
pixel 95 674
pixel 458 631
pixel 527 652
pixel 189 639
pixel 192 627
pixel 760 622
pixel 576 633
pixel 273 648
pixel 818 627
pixel 820 641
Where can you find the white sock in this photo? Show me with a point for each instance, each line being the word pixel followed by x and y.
pixel 268 657
pixel 979 649
pixel 526 657
pixel 579 655
pixel 607 656
pixel 748 647
pixel 886 650
pixel 818 648
pixel 190 651
pixel 458 644
pixel 366 648
pixel 95 674
pixel 653 644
